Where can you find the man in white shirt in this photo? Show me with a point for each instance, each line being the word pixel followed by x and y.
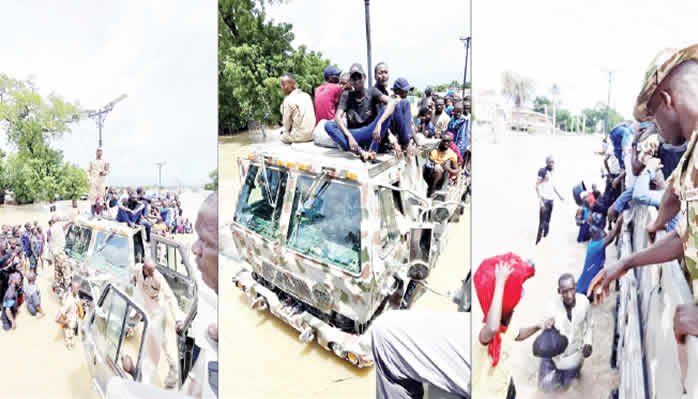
pixel 571 315
pixel 545 188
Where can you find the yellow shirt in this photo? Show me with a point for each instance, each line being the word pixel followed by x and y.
pixel 492 382
pixel 440 157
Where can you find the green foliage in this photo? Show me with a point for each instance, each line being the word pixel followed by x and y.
pixel 36 171
pixel 252 55
pixel 417 93
pixel 597 114
pixel 540 104
pixel 213 186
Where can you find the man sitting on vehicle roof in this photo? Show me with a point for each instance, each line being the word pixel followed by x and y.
pixel 441 160
pixel 131 212
pixel 297 112
pixel 364 127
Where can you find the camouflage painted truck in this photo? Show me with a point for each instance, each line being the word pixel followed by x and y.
pixel 102 254
pixel 328 243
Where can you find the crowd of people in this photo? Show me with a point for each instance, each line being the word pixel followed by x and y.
pixel 651 161
pixel 365 121
pixel 25 251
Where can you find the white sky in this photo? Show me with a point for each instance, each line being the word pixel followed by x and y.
pixel 571 43
pixel 161 54
pixel 418 40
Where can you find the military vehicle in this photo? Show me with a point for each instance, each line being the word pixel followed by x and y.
pixel 329 243
pixel 102 254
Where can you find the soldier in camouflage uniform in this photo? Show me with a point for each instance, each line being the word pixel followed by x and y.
pixel 669 96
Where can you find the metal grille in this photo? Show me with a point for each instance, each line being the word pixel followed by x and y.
pixel 283 282
pixel 268 271
pixel 301 288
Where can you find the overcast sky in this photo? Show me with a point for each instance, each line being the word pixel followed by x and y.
pixel 161 54
pixel 418 40
pixel 571 43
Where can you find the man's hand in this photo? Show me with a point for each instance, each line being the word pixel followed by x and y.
pixel 545 324
pixel 377 133
pixel 501 273
pixel 128 366
pixel 397 149
pixel 600 285
pixel 685 322
pixel 586 350
pixel 179 326
pixel 353 145
pixel 652 228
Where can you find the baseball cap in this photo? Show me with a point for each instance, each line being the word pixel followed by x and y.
pixel 356 68
pixel 332 70
pixel 402 84
pixel 662 64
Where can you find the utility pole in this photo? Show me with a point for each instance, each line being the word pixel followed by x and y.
pixel 555 90
pixel 608 105
pixel 100 115
pixel 368 40
pixel 466 42
pixel 159 166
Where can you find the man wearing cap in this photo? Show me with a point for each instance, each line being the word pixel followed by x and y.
pixel 327 95
pixel 96 171
pixel 364 127
pixel 297 113
pixel 442 162
pixel 669 96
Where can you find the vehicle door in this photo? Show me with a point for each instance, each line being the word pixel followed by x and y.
pixel 104 336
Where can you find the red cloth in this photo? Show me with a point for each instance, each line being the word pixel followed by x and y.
pixel 457 151
pixel 326 100
pixel 484 283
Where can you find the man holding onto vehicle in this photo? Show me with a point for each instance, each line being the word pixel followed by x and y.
pixel 545 188
pixel 297 112
pixel 365 128
pixel 669 96
pixel 156 298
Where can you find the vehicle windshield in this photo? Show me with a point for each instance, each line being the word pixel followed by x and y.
pixel 111 256
pixel 327 227
pixel 255 210
pixel 77 241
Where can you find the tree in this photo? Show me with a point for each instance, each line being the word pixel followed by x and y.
pixel 213 186
pixel 73 181
pixel 252 55
pixel 35 171
pixel 598 114
pixel 516 88
pixel 542 104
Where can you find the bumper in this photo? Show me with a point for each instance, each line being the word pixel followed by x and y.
pixel 356 349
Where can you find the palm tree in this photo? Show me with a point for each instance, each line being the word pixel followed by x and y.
pixel 516 88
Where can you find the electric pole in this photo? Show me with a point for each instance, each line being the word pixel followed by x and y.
pixel 159 165
pixel 100 115
pixel 368 40
pixel 466 42
pixel 608 105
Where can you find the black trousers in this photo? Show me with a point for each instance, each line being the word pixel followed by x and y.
pixel 544 219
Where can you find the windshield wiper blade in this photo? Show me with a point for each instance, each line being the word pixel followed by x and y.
pixel 105 241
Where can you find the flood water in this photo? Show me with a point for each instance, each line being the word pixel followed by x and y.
pixel 34 356
pixel 505 219
pixel 262 356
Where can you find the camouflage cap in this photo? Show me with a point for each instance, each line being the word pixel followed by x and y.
pixel 659 68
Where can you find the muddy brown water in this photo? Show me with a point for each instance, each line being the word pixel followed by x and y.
pixel 505 219
pixel 261 356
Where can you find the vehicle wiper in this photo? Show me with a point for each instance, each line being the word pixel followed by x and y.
pixel 270 201
pixel 103 244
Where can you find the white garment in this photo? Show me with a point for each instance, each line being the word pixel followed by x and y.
pixel 578 331
pixel 546 187
pixel 197 383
